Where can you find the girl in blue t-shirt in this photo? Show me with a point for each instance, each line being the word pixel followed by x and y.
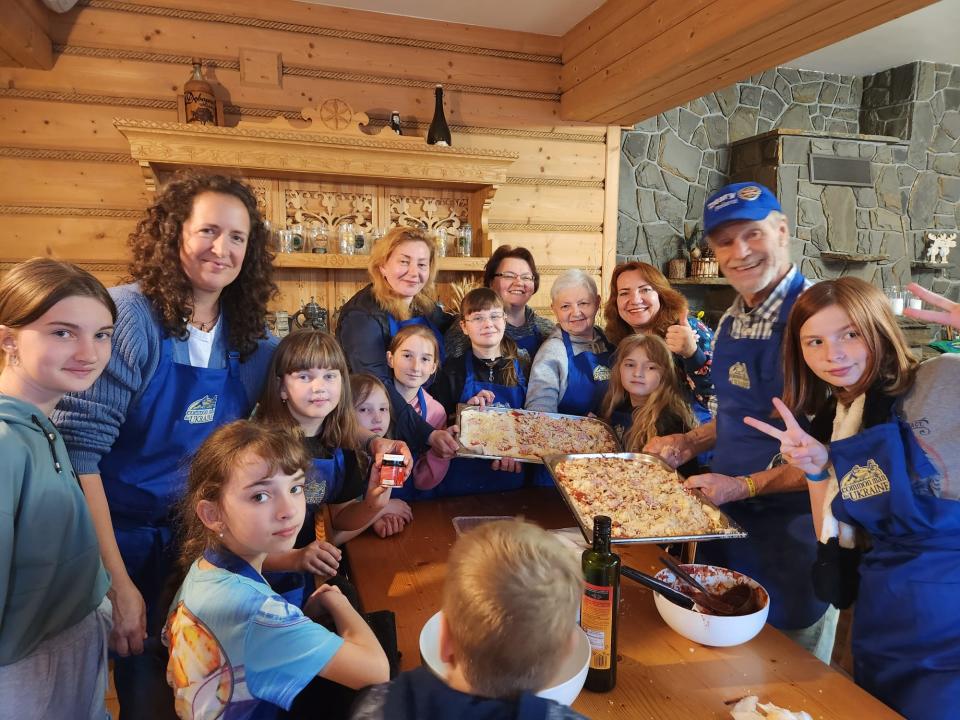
pixel 237 649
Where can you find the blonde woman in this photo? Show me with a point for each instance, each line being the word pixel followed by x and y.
pixel 402 271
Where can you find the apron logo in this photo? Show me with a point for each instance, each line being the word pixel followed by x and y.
pixel 315 491
pixel 750 192
pixel 601 373
pixel 202 410
pixel 864 482
pixel 738 376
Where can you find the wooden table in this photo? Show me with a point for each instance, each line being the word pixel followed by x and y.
pixel 661 674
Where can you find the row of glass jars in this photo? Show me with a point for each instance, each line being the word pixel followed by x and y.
pixel 351 239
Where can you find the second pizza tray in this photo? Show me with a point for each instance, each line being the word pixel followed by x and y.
pixel 467 429
pixel 583 519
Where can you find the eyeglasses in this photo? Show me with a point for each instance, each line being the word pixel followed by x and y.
pixel 479 320
pixel 512 277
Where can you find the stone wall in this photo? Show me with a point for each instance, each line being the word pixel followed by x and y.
pixel 854 221
pixel 668 164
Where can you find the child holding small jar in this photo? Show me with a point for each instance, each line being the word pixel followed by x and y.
pixel 308 394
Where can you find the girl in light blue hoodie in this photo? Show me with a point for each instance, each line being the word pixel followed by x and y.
pixel 56 323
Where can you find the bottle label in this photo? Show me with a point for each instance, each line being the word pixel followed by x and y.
pixel 596 619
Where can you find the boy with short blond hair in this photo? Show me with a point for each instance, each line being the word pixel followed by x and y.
pixel 509 614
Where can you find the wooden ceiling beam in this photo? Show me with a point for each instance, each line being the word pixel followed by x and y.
pixel 771 51
pixel 24 40
pixel 685 50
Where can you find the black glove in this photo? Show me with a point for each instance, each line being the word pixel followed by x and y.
pixel 835 576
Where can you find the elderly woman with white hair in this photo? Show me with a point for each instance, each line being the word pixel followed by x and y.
pixel 570 372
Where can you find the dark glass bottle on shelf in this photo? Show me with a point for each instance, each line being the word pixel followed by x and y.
pixel 395 122
pixel 439 132
pixel 599 605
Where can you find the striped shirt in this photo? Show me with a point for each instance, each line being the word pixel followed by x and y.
pixel 757 323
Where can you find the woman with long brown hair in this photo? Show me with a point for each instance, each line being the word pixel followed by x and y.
pixel 641 300
pixel 882 461
pixel 402 269
pixel 191 353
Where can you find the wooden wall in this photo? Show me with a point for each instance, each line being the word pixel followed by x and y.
pixel 69 189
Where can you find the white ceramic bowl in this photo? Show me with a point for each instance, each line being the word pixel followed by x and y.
pixel 715 630
pixel 569 679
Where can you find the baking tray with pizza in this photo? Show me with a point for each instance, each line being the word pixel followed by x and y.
pixel 643 496
pixel 528 436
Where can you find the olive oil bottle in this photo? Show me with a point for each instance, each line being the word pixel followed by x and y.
pixel 599 605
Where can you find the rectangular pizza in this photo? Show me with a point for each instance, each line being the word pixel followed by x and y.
pixel 530 436
pixel 642 496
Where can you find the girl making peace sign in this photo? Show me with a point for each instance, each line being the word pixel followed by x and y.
pixel 891 473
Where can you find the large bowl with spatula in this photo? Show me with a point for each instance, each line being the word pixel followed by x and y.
pixel 706 626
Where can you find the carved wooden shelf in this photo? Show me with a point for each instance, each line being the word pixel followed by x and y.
pixel 924 265
pixel 332 146
pixel 335 261
pixel 852 257
pixel 701 281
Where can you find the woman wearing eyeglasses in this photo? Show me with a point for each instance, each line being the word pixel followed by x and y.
pixel 512 274
pixel 642 301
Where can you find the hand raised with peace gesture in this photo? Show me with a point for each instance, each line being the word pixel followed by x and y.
pixel 951 310
pixel 796 445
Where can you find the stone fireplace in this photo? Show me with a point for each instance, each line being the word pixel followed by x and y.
pixel 837 229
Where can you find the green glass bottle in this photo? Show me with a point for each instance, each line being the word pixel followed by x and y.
pixel 599 605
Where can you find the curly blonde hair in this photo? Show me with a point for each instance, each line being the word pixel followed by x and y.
pixel 155 247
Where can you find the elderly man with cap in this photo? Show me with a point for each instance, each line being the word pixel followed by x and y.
pixel 748 232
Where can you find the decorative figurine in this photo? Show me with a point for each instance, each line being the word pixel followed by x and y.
pixel 940 244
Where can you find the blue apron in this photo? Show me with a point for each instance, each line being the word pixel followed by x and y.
pixel 906 625
pixel 530 343
pixel 621 421
pixel 395 326
pixel 782 543
pixel 472 477
pixel 329 474
pixel 407 492
pixel 144 474
pixel 588 374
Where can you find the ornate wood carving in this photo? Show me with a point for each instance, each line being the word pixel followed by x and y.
pixel 333 148
pixel 434 212
pixel 311 207
pixel 256 147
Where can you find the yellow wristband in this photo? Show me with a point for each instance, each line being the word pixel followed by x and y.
pixel 751 486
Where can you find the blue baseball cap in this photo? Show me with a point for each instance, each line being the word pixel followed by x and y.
pixel 738 201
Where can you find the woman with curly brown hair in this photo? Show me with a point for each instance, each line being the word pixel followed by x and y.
pixel 641 300
pixel 191 351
